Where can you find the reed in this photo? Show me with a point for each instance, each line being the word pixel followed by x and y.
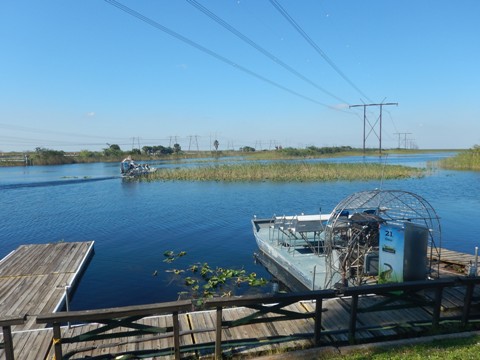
pixel 465 160
pixel 287 172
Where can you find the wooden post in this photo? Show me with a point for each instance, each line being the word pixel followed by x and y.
pixel 176 335
pixel 353 319
pixel 8 341
pixel 218 334
pixel 6 324
pixel 467 303
pixel 437 306
pixel 318 321
pixel 57 341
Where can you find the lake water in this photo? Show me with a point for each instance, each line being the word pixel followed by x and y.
pixel 133 224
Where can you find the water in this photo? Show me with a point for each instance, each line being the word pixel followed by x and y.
pixel 133 224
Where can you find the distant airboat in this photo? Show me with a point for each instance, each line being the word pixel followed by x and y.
pixel 130 168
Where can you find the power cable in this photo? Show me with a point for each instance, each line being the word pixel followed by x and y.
pixel 47 142
pixel 42 131
pixel 315 46
pixel 176 35
pixel 259 48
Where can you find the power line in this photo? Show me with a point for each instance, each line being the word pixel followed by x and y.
pixel 315 46
pixel 43 131
pixel 176 35
pixel 259 48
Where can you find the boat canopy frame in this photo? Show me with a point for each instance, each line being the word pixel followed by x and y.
pixel 352 231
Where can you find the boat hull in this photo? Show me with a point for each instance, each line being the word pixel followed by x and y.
pixel 299 254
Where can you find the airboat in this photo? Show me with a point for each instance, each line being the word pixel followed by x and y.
pixel 129 168
pixel 376 236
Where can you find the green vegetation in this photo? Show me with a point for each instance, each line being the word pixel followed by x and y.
pixel 459 348
pixel 43 156
pixel 313 151
pixel 310 152
pixel 465 160
pixel 287 171
pixel 113 153
pixel 205 282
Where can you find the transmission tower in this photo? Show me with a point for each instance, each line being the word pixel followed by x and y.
pixel 193 139
pixel 372 127
pixel 404 139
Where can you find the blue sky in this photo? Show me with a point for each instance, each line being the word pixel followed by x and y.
pixel 83 74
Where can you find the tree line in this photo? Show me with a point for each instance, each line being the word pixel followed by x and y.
pixel 44 156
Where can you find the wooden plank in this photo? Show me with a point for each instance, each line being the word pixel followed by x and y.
pixel 22 345
pixel 453 298
pixel 70 332
pixel 455 257
pixel 19 342
pixel 47 281
pixel 399 317
pixel 335 318
pixel 115 346
pixel 37 345
pixel 256 331
pixel 346 303
pixel 293 327
pixel 53 293
pixel 378 319
pixel 148 342
pixel 30 300
pixel 31 277
pixel 200 321
pixel 9 288
pixel 66 259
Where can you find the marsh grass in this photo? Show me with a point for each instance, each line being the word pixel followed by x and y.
pixel 287 172
pixel 465 160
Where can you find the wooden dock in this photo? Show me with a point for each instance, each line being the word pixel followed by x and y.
pixel 246 326
pixel 250 330
pixel 35 279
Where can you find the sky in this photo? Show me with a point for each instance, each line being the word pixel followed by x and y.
pixel 82 75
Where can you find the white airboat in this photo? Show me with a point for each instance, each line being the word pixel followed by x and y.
pixel 376 236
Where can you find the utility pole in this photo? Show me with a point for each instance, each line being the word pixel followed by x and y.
pixel 372 127
pixel 193 141
pixel 405 139
pixel 196 142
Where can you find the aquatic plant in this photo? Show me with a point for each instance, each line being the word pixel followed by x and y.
pixel 465 160
pixel 287 172
pixel 205 282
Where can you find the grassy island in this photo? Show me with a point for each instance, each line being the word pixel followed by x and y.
pixel 287 172
pixel 465 160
